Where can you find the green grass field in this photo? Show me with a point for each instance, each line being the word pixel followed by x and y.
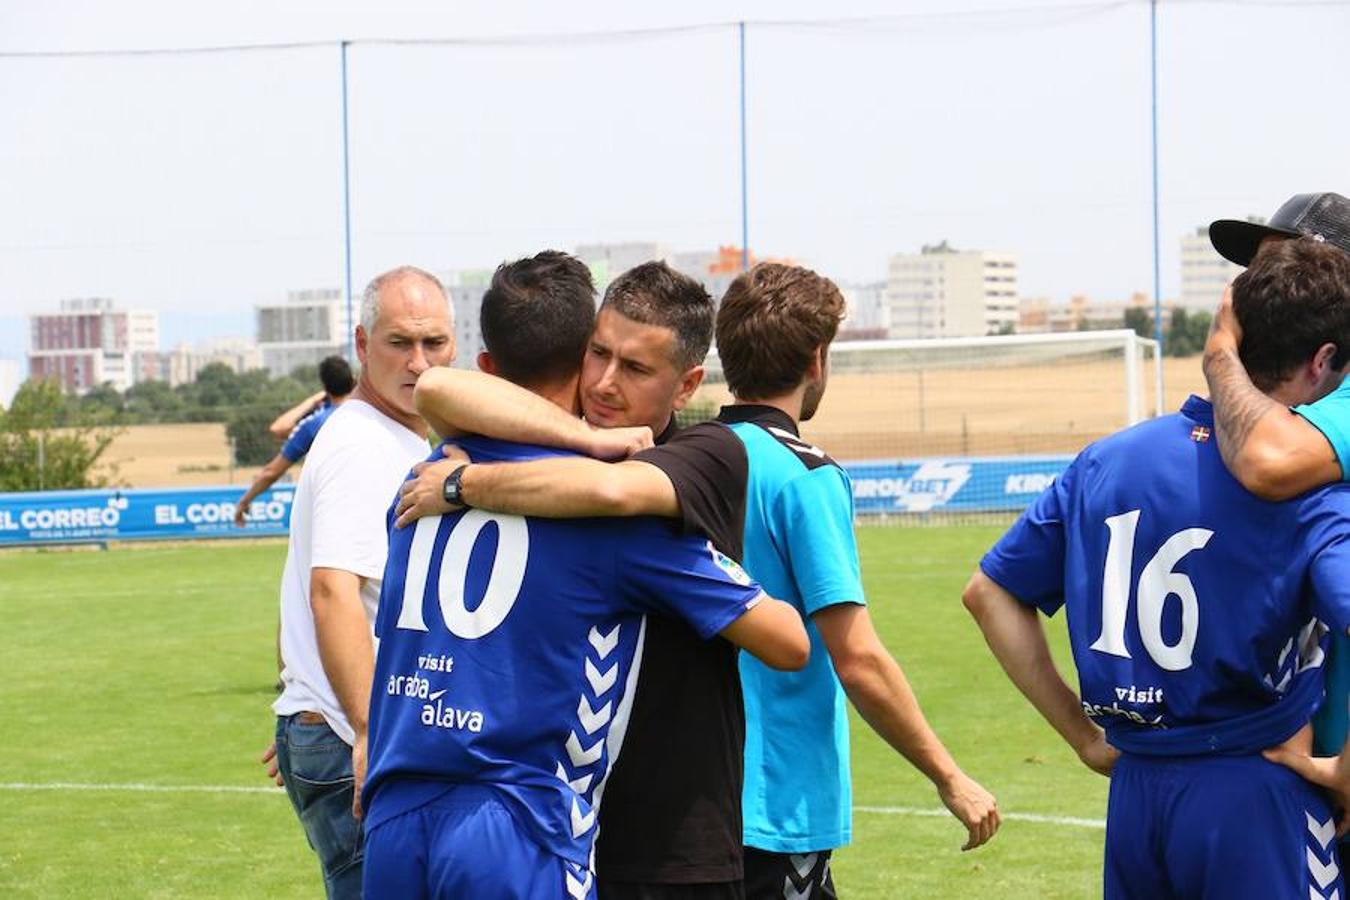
pixel 154 667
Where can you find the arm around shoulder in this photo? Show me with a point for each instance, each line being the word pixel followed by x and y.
pixel 1275 453
pixel 1284 456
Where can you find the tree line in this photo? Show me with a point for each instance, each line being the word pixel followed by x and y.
pixel 1185 335
pixel 50 440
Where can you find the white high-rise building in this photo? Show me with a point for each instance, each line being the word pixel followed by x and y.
pixel 609 261
pixel 1204 273
pixel 944 292
pixel 307 327
pixel 182 364
pixel 466 288
pixel 90 342
pixel 866 314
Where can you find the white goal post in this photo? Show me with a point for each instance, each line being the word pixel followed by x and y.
pixel 930 408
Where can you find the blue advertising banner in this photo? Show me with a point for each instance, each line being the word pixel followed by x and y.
pixel 68 517
pixel 986 484
pixel 879 486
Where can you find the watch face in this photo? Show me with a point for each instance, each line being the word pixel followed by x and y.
pixel 451 489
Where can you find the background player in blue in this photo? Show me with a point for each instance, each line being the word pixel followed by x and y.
pixel 504 677
pixel 1197 614
pixel 773 335
pixel 299 425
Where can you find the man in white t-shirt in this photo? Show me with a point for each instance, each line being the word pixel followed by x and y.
pixel 331 584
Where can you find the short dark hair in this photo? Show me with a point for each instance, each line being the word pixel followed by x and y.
pixel 655 294
pixel 336 376
pixel 537 317
pixel 1293 298
pixel 771 321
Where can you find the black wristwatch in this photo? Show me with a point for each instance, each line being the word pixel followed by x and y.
pixel 453 489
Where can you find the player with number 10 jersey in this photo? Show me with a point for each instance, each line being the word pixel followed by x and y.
pixel 508 656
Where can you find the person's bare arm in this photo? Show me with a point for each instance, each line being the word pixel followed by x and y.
pixel 456 402
pixel 285 423
pixel 1273 451
pixel 1015 635
pixel 773 632
pixel 347 653
pixel 558 488
pixel 877 687
pixel 1329 772
pixel 275 468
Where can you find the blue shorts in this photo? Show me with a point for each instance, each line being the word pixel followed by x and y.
pixel 1217 827
pixel 464 843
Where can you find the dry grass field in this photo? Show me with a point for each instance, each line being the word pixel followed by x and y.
pixel 979 411
pixel 197 454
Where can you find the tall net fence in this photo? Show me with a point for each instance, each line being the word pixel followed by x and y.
pixel 970 426
pixel 203 182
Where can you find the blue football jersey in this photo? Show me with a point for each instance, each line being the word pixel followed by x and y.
pixel 1197 612
pixel 305 431
pixel 509 650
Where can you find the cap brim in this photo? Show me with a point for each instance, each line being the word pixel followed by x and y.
pixel 1238 241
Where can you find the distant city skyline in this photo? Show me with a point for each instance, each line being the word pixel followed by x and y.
pixel 195 329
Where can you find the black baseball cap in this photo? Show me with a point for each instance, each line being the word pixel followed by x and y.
pixel 1322 217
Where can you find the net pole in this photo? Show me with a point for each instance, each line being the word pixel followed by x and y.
pixel 745 167
pixel 1153 86
pixel 347 209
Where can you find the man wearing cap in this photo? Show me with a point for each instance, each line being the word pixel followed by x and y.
pixel 1277 452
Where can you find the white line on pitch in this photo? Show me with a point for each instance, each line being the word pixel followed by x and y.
pixel 242 789
pixel 141 788
pixel 1006 816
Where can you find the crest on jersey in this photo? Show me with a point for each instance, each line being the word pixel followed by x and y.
pixel 1200 434
pixel 729 565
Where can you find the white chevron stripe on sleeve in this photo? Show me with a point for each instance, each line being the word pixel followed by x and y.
pixel 580 756
pixel 593 719
pixel 604 644
pixel 578 887
pixel 581 824
pixel 1323 831
pixel 601 682
pixel 580 785
pixel 1323 873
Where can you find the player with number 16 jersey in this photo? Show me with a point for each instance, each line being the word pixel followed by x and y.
pixel 508 657
pixel 1197 615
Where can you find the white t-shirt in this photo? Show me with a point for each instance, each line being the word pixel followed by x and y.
pixel 338 521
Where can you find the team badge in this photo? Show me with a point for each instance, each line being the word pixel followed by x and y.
pixel 1200 434
pixel 729 565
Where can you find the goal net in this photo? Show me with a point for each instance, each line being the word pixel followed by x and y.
pixel 970 425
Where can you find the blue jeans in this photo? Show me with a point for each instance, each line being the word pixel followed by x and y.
pixel 316 766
